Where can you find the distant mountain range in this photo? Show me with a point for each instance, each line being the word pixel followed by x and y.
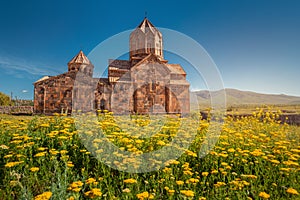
pixel 237 97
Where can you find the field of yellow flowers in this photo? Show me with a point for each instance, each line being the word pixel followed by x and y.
pixel 255 157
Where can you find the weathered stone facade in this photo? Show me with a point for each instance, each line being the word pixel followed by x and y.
pixel 146 83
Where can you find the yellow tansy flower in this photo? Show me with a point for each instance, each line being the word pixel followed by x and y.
pixel 34 169
pixel 292 191
pixel 264 195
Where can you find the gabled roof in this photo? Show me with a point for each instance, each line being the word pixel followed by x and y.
pixel 80 58
pixel 176 68
pixel 43 78
pixel 71 74
pixel 120 64
pixel 150 57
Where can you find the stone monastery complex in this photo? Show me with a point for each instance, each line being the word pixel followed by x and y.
pixel 146 83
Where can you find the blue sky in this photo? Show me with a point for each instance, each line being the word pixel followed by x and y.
pixel 255 44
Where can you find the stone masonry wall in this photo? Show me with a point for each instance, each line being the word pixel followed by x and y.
pixel 16 110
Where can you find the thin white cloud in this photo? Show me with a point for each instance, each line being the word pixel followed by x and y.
pixel 16 66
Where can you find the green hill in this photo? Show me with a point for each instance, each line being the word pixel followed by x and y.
pixel 237 97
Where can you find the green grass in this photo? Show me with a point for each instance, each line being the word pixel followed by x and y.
pixel 251 156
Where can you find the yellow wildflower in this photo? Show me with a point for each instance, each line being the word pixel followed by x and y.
pixel 8 156
pixel 249 176
pixel 257 152
pixel 90 180
pixel 179 182
pixel 171 192
pixel 264 195
pixel 95 192
pixel 45 125
pixel 53 152
pixel 187 172
pixel 285 169
pixel 3 146
pixel 275 161
pixel 34 169
pixel 161 143
pixel 12 164
pixel 219 184
pixel 166 170
pixel 144 195
pixel 188 193
pixel 41 154
pixel 43 196
pixel 75 186
pixel 292 191
pixel 130 181
pixel 63 152
pixel 13 183
pixel 205 173
pixel 42 148
pixel 289 163
pixel 76 189
pixel 192 180
pixel 174 162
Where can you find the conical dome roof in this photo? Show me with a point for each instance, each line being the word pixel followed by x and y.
pixel 145 40
pixel 146 26
pixel 80 58
pixel 81 63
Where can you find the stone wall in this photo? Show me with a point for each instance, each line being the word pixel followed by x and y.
pixel 54 94
pixel 25 110
pixel 291 119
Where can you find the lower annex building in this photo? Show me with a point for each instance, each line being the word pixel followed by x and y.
pixel 146 83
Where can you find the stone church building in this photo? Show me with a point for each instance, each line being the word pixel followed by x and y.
pixel 146 83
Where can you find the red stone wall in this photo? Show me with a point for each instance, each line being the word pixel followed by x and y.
pixel 54 94
pixel 147 88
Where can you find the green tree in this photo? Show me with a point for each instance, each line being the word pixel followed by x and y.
pixel 4 99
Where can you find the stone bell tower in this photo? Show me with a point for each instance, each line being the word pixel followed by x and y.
pixel 145 40
pixel 81 63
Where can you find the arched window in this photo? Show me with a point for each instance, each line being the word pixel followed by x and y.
pixel 42 100
pixel 42 91
pixel 153 86
pixel 102 104
pixel 68 93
